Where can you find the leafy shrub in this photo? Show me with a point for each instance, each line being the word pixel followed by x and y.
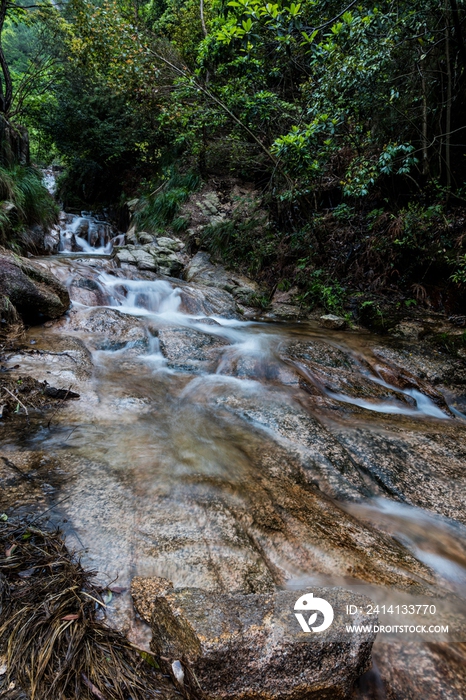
pixel 319 289
pixel 459 276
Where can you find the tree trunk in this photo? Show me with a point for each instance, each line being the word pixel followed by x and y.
pixel 458 30
pixel 449 97
pixel 6 86
pixel 425 155
pixel 204 28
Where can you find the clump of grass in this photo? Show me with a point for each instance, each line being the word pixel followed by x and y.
pixel 160 208
pixel 55 645
pixel 24 201
pixel 180 224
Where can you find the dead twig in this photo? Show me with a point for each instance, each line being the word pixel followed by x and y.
pixel 16 399
pixel 92 687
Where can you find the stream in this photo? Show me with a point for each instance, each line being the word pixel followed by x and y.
pixel 242 454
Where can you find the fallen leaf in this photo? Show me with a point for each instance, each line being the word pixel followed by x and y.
pixel 148 658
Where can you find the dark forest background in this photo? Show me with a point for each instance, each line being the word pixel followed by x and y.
pixel 347 119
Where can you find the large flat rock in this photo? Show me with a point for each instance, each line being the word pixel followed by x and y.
pixel 202 271
pixel 242 647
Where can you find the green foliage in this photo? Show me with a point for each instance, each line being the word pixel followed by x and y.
pixel 343 80
pixel 459 276
pixel 245 244
pixel 320 290
pixel 341 119
pixel 157 210
pixel 24 201
pixel 416 225
pixel 364 172
pixel 377 315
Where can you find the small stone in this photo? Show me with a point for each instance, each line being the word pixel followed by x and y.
pixel 284 312
pixel 407 329
pixel 131 235
pixel 8 207
pixel 178 672
pixel 170 243
pixel 167 261
pixel 3 665
pixel 335 323
pixel 144 260
pixel 145 237
pixel 216 219
pixel 125 256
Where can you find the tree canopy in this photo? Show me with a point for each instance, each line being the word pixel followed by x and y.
pixel 348 108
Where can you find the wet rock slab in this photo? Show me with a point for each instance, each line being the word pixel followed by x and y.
pixel 187 349
pixel 251 646
pixel 107 329
pixel 410 670
pixel 202 270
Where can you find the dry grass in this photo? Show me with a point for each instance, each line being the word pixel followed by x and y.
pixel 19 395
pixel 55 645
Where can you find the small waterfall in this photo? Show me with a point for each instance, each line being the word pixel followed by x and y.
pixel 142 297
pixel 84 232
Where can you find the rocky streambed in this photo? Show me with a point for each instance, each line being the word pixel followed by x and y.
pixel 218 465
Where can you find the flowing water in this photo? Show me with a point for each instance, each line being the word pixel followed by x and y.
pixel 232 454
pixel 80 233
